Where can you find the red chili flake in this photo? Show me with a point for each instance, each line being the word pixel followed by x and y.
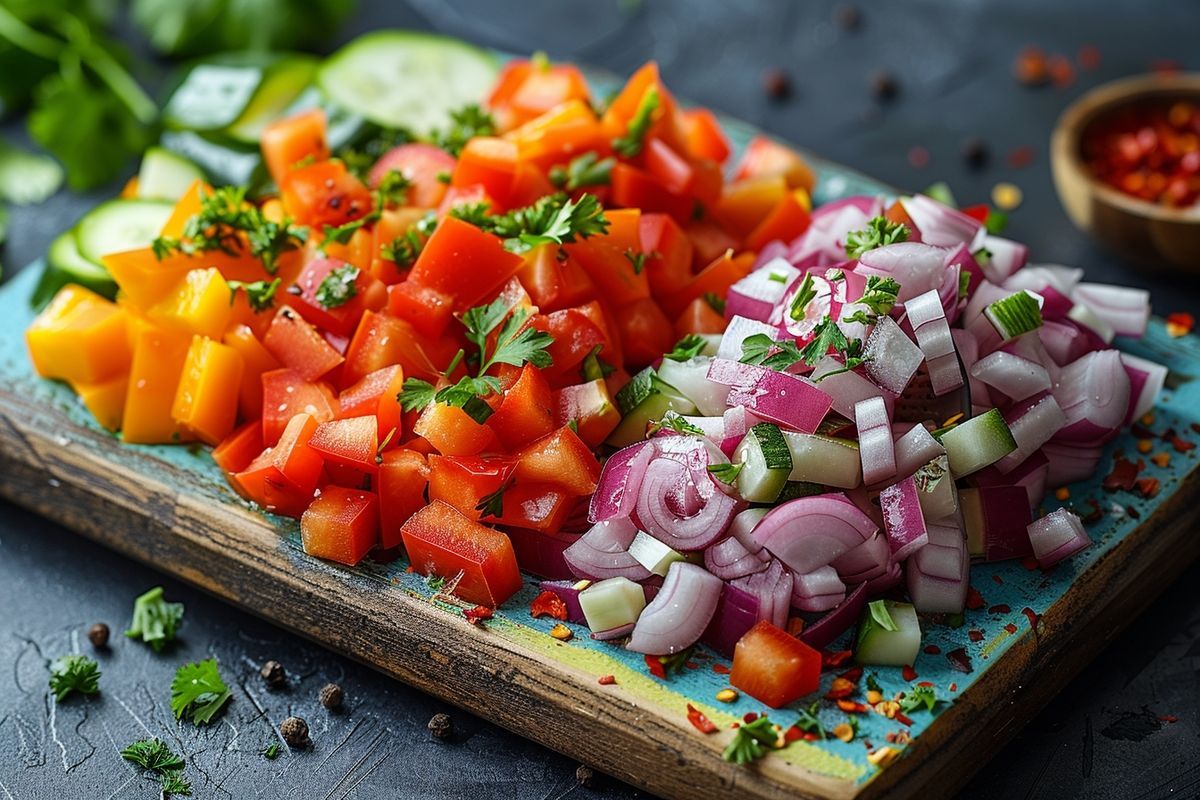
pixel 1030 66
pixel 954 687
pixel 1062 73
pixel 478 614
pixel 656 667
pixel 1169 718
pixel 932 649
pixel 548 604
pixel 607 680
pixel 1196 427
pixel 975 635
pixel 1133 512
pixel 1180 444
pixel 720 669
pixel 925 683
pixel 908 673
pixel 1148 486
pixel 1089 57
pixel 1021 157
pixel 1180 324
pixel 699 721
pixel 841 689
pixel 1032 616
pixel 999 608
pixel 691 665
pixel 836 658
pixel 1030 563
pixel 903 718
pixel 793 734
pixel 853 674
pixel 1011 628
pixel 918 157
pixel 1124 473
pixel 851 707
pixel 999 581
pixel 974 599
pixel 959 659
pixel 749 717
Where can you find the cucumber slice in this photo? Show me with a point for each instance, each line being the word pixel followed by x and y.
pixel 793 490
pixel 976 443
pixel 824 460
pixel 212 95
pixel 404 79
pixel 64 265
pixel 281 84
pixel 165 175
pixel 120 225
pixel 645 399
pixel 889 634
pixel 1014 315
pixel 766 463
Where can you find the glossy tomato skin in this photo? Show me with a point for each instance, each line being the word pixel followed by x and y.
pixel 560 459
pixel 324 193
pixel 340 525
pixel 375 395
pixel 425 308
pixel 421 164
pixel 463 262
pixel 441 541
pixel 402 481
pixel 774 667
pixel 284 476
pixel 464 481
pixel 453 432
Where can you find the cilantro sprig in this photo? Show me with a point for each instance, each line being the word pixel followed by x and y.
pixel 155 757
pixel 674 421
pixel 260 294
pixel 553 219
pixel 919 696
pixel 828 336
pixel 198 692
pixel 687 348
pixel 583 171
pixel 492 505
pixel 74 673
pixel 808 721
pixel 879 296
pixel 338 287
pixel 762 350
pixel 751 741
pixel 880 231
pixel 155 621
pixel 465 124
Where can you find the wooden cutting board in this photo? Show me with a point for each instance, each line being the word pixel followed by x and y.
pixel 170 507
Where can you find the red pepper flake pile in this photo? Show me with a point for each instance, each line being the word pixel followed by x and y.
pixel 1148 150
pixel 607 680
pixel 959 660
pixel 478 614
pixel 1180 444
pixel 794 734
pixel 1123 475
pixel 908 673
pixel 954 687
pixel 999 608
pixel 974 599
pixel 1148 487
pixel 836 658
pixel 932 649
pixel 1011 628
pixel 720 669
pixel 699 721
pixel 1180 324
pixel 975 635
pixel 548 604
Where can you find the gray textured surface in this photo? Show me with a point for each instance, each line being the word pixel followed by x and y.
pixel 1103 737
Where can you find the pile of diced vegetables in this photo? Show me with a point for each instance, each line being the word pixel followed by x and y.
pixel 556 338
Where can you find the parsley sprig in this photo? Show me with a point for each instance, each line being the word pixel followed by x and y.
pixel 879 296
pixel 582 171
pixel 260 294
pixel 338 287
pixel 553 219
pixel 155 757
pixel 828 336
pixel 198 692
pixel 630 144
pixel 880 231
pixel 155 621
pixel 761 349
pixel 808 722
pixel 919 696
pixel 687 348
pixel 751 741
pixel 74 673
pixel 674 421
pixel 465 124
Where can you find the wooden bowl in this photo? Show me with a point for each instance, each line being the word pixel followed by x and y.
pixel 1147 234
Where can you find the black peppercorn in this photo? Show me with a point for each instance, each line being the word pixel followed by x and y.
pixel 441 726
pixel 585 776
pixel 884 86
pixel 98 635
pixel 975 152
pixel 274 674
pixel 331 696
pixel 295 732
pixel 776 84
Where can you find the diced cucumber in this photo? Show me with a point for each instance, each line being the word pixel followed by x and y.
pixel 65 265
pixel 645 399
pixel 977 443
pixel 120 225
pixel 936 491
pixel 612 603
pixel 653 554
pixel 889 634
pixel 691 379
pixel 766 463
pixel 795 489
pixel 281 84
pixel 213 94
pixel 824 460
pixel 404 79
pixel 165 175
pixel 1014 315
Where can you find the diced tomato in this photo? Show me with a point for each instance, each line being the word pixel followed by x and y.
pixel 786 221
pixel 605 322
pixel 464 196
pixel 297 344
pixel 402 481
pixel 491 163
pixel 421 164
pixel 704 136
pixel 441 541
pixel 358 252
pixel 633 188
pixel 896 213
pixel 283 477
pixel 699 317
pixel 575 336
pixel 746 203
pixel 341 525
pixel 765 158
pixel 671 169
pixel 525 91
pixel 351 441
pixel 305 294
pixel 465 263
pixel 553 282
pixel 774 667
pixel 324 193
pixel 726 270
pixel 622 108
pixel 645 331
pixel 560 134
pixel 375 395
pixel 452 431
pixel 590 406
pixel 668 253
pixel 465 481
pixel 288 142
pixel 393 224
pixel 609 258
pixel 525 413
pixel 238 449
pixel 382 341
pixel 285 394
pixel 561 459
pixel 709 240
pixel 537 507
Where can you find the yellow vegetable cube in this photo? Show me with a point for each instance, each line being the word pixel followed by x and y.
pixel 80 337
pixel 206 400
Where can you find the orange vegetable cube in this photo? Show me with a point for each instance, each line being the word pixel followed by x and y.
pixel 106 399
pixel 143 279
pixel 198 303
pixel 255 361
pixel 80 337
pixel 341 525
pixel 206 400
pixel 402 479
pixel 158 358
pixel 452 431
pixel 561 459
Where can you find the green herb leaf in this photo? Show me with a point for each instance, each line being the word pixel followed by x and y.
pixel 879 612
pixel 155 621
pixel 880 294
pixel 880 231
pixel 725 473
pixel 674 663
pixel 338 287
pixel 404 249
pixel 674 421
pixel 761 349
pixel 260 294
pixel 687 348
pixel 964 284
pixel 873 683
pixel 74 673
pixel 492 505
pixel 715 302
pixel 198 691
pixel 630 145
pixel 27 177
pixel 583 171
pixel 467 394
pixel 808 722
pixel 415 394
pixel 637 260
pixel 751 741
pixel 474 213
pixel 919 696
pixel 271 751
pixel 152 755
pixel 594 367
pixel 828 336
pixel 804 295
pixel 466 123
pixel 173 783
pixel 517 345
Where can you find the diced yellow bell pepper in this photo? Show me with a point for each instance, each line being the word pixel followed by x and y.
pixel 199 304
pixel 80 337
pixel 256 360
pixel 158 357
pixel 144 280
pixel 206 400
pixel 106 400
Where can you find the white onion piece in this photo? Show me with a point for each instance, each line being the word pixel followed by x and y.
pixel 928 320
pixel 1031 427
pixel 679 502
pixel 915 449
pixel 1016 377
pixel 1082 314
pixel 756 295
pixel 824 242
pixel 941 225
pixel 1126 310
pixel 1094 394
pixel 810 532
pixel 679 613
pixel 603 552
pixel 1057 535
pixel 738 330
pixel 939 573
pixel 1146 380
pixel 875 446
pixel 1070 463
pixel 903 520
pixel 1064 341
pixel 846 387
pixel 917 267
pixel 1032 349
pixel 1004 258
pixel 691 379
pixel 894 358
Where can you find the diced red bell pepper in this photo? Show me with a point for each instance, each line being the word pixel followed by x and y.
pixel 286 394
pixel 526 413
pixel 590 407
pixel 491 163
pixel 634 188
pixel 324 193
pixel 383 340
pixel 283 477
pixel 299 346
pixel 608 258
pixel 533 506
pixel 559 135
pixel 341 525
pixel 239 448
pixel 464 262
pixel 375 395
pixel 553 282
pixel 421 164
pixel 464 481
pixel 765 158
pixel 575 336
pixel 426 309
pixel 703 135
pixel 670 169
pixel 402 480
pixel 668 253
pixel 726 270
pixel 351 442
pixel 709 240
pixel 441 541
pixel 645 331
pixel 699 317
pixel 622 108
pixel 369 293
pixel 528 185
pixel 774 667
pixel 561 459
pixel 452 431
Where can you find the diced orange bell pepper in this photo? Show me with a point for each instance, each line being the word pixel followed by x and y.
pixel 158 358
pixel 609 258
pixel 441 541
pixel 746 203
pixel 559 135
pixel 295 139
pixel 716 279
pixel 239 449
pixel 561 459
pixel 283 477
pixel 79 337
pixel 591 407
pixel 375 395
pixel 341 525
pixel 489 162
pixel 526 413
pixel 402 480
pixel 635 188
pixel 452 431
pixel 552 283
pixel 206 400
pixel 466 481
pixel 106 399
pixel 709 240
pixel 624 106
pixel 704 136
pixel 256 360
pixel 787 220
pixel 298 345
pixel 699 317
pixel 351 442
pixel 393 224
pixel 199 303
pixel 143 279
pixel 764 157
pixel 529 185
pixel 285 394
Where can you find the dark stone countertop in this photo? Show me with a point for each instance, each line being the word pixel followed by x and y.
pixel 1126 728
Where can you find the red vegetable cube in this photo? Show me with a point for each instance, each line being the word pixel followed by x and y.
pixel 561 459
pixel 441 541
pixel 341 525
pixel 774 667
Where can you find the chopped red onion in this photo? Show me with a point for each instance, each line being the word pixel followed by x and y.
pixel 1070 463
pixel 690 378
pixel 740 329
pixel 737 422
pixel 773 588
pixel 846 387
pixel 868 560
pixel 928 320
pixel 1030 475
pixel 756 295
pixel 1146 380
pixel 1126 310
pixel 1004 258
pixel 893 356
pixel 729 559
pixel 995 518
pixel 941 225
pixel 619 481
pixel 568 592
pixel 1094 394
pixel 841 619
pixel 679 501
pixel 939 573
pixel 915 449
pixel 1016 377
pixel 737 612
pixel 1056 536
pixel 603 552
pixel 917 267
pixel 903 519
pixel 875 445
pixel 619 632
pixel 962 257
pixel 786 400
pixel 809 532
pixel 1032 425
pixel 1067 342
pixel 679 613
